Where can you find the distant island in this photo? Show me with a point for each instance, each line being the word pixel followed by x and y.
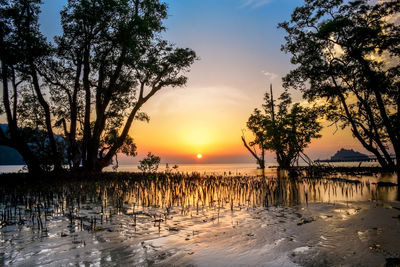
pixel 10 156
pixel 349 155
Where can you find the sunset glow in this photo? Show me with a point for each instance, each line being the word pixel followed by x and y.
pixel 238 60
pixel 210 133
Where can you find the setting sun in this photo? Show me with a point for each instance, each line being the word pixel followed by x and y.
pixel 199 156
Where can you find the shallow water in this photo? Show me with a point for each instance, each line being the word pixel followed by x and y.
pixel 170 220
pixel 204 169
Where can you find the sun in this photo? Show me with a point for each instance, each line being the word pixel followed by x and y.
pixel 199 156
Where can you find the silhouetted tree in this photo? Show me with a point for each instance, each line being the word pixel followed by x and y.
pixel 149 163
pixel 347 54
pixel 256 147
pixel 110 61
pixel 23 50
pixel 283 128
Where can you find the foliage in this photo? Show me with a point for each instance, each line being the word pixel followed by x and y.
pixel 284 128
pixel 169 169
pixel 108 62
pixel 111 54
pixel 347 54
pixel 23 50
pixel 149 163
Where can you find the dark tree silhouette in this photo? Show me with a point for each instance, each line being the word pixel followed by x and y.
pixel 256 147
pixel 23 50
pixel 149 163
pixel 347 54
pixel 283 128
pixel 109 61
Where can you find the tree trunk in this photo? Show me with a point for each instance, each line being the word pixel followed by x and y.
pixel 49 128
pixel 30 160
pixel 99 163
pixel 74 153
pixel 382 161
pixel 283 162
pixel 260 160
pixel 86 127
pixel 398 171
pixel 15 140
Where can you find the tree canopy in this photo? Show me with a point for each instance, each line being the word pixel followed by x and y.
pixel 347 53
pixel 92 82
pixel 23 50
pixel 283 128
pixel 149 163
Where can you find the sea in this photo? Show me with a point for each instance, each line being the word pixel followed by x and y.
pixel 205 169
pixel 209 169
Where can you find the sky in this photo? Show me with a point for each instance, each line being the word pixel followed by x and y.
pixel 238 45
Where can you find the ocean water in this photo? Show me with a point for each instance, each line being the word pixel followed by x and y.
pixel 208 169
pixel 218 169
pixel 12 168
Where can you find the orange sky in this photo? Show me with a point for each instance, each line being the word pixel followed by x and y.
pixel 239 49
pixel 238 44
pixel 188 121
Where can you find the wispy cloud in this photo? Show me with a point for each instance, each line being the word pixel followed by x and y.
pixel 254 3
pixel 270 75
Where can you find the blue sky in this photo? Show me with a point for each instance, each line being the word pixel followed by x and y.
pixel 231 36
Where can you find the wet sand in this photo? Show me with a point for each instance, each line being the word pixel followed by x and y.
pixel 318 234
pixel 193 221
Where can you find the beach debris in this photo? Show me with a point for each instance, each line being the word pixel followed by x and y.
pixel 305 220
pixel 375 247
pixel 63 234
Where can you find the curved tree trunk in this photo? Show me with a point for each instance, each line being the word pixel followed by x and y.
pixel 30 160
pixel 388 165
pixel 260 159
pixel 53 144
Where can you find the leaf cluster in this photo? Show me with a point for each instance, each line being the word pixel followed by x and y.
pixel 149 163
pixel 284 128
pixel 347 54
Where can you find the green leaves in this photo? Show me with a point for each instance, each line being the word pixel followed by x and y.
pixel 108 62
pixel 116 61
pixel 150 163
pixel 346 53
pixel 284 128
pixel 142 116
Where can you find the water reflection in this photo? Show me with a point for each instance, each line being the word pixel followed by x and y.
pixel 114 218
pixel 107 197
